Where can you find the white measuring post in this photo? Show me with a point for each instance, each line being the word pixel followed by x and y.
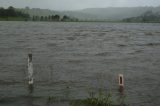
pixel 121 83
pixel 30 70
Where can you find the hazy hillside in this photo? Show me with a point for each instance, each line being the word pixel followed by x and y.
pixel 148 16
pixel 39 12
pixel 115 13
pixel 110 13
pixel 46 12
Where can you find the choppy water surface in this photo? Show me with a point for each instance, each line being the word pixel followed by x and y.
pixel 70 58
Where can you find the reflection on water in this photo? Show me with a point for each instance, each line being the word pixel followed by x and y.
pixel 69 58
pixel 30 88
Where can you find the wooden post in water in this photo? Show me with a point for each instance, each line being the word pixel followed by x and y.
pixel 30 70
pixel 121 83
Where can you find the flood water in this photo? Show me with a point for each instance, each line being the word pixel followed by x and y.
pixel 69 59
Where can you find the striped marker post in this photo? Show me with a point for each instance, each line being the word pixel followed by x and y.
pixel 30 70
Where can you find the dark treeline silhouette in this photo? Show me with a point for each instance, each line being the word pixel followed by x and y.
pixel 11 12
pixel 148 16
pixel 53 18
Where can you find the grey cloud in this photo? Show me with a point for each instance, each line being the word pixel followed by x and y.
pixel 77 4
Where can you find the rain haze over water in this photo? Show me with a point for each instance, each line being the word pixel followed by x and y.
pixel 72 49
pixel 69 58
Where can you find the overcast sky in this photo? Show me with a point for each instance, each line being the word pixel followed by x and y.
pixel 77 4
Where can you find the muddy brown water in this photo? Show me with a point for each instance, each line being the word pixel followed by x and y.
pixel 70 59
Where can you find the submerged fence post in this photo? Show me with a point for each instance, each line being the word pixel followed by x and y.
pixel 121 83
pixel 30 70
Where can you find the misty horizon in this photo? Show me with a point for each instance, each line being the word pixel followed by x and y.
pixel 77 9
pixel 73 5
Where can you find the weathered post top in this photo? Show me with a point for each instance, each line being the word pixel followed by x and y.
pixel 121 83
pixel 30 69
pixel 121 80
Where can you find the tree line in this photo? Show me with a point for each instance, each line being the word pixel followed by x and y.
pixel 148 16
pixel 11 12
pixel 53 18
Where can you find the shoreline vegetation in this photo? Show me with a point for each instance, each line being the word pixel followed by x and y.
pixel 100 97
pixel 10 14
pixel 14 14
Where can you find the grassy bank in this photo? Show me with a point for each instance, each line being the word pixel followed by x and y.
pixel 99 98
pixel 13 19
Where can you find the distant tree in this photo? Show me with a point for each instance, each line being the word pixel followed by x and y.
pixel 45 18
pixel 11 11
pixel 147 16
pixel 37 18
pixel 65 18
pixel 52 17
pixel 2 12
pixel 56 18
pixel 33 18
pixel 42 18
pixel 49 18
